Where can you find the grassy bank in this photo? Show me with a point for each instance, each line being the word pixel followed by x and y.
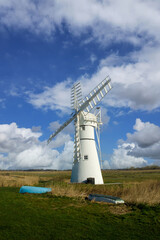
pixel 35 217
pixel 65 214
pixel 135 186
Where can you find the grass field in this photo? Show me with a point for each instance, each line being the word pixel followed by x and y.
pixel 65 214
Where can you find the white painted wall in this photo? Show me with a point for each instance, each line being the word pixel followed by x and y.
pixel 86 168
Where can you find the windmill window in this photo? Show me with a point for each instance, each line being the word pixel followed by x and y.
pixel 83 128
pixel 85 157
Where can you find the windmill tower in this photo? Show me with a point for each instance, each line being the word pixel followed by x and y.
pixel 86 161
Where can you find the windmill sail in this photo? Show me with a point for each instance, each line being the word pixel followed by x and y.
pixel 88 103
pixel 76 96
pixel 96 95
pixel 61 128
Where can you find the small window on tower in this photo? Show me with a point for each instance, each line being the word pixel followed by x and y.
pixel 85 157
pixel 83 128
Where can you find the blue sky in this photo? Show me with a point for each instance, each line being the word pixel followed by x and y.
pixel 46 46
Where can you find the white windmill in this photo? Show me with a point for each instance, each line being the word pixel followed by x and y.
pixel 86 161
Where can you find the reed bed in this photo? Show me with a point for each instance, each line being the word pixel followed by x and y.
pixel 141 192
pixel 145 192
pixel 18 181
pixel 68 190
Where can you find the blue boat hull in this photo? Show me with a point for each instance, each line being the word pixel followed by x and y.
pixel 29 189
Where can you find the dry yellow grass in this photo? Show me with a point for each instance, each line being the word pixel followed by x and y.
pixel 69 190
pixel 143 192
pixel 17 181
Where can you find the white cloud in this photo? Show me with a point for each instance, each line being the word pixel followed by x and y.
pixel 147 140
pixel 65 159
pixel 60 140
pixel 54 98
pixel 36 129
pixel 107 20
pixel 135 79
pixel 120 158
pixel 93 58
pixel 53 126
pixel 143 143
pixel 146 135
pixel 20 148
pixel 106 165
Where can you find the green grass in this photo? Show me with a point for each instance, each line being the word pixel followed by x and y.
pixel 33 217
pixel 46 216
pixel 110 176
pixel 124 176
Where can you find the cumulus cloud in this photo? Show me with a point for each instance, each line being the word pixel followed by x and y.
pixel 53 126
pixel 20 148
pixel 58 98
pixel 147 140
pixel 136 77
pixel 65 159
pixel 135 80
pixel 36 129
pixel 106 20
pixel 60 140
pixel 54 98
pixel 120 158
pixel 146 134
pixel 143 144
